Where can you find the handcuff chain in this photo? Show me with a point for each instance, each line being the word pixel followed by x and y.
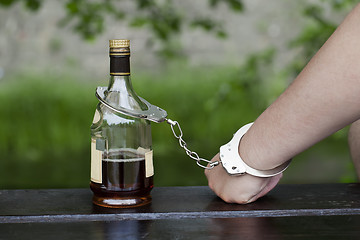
pixel 192 154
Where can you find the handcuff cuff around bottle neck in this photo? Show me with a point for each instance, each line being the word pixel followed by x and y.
pixel 229 153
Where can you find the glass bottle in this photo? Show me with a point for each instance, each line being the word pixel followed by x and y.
pixel 121 153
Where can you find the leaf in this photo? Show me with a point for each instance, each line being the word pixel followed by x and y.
pixel 72 7
pixel 7 3
pixel 236 5
pixel 143 4
pixel 221 34
pixel 33 5
pixel 138 22
pixel 204 23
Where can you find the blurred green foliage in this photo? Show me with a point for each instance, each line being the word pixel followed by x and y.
pixel 165 19
pixel 318 28
pixel 243 92
pixel 45 124
pixel 45 121
pixel 45 118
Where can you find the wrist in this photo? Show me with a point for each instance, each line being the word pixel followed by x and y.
pixel 249 153
pixel 234 164
pixel 257 151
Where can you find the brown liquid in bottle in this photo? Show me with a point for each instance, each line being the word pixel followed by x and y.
pixel 123 181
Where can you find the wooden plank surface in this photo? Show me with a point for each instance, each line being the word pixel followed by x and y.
pixel 74 205
pixel 274 228
pixel 325 211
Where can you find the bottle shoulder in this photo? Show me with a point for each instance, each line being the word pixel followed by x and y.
pixel 120 93
pixel 105 117
pixel 125 100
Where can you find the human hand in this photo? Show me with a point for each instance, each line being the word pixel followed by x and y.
pixel 238 189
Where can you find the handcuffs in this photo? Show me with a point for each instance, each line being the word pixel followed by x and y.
pixel 234 165
pixel 229 153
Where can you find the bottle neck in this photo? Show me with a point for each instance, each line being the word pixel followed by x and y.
pixel 120 70
pixel 119 64
pixel 120 91
pixel 120 84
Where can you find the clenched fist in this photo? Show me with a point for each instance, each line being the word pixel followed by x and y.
pixel 240 189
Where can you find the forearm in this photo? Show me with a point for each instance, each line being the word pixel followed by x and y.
pixel 324 98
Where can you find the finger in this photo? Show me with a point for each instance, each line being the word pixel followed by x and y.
pixel 273 181
pixel 214 159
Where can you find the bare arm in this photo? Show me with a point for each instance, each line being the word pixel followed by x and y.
pixel 324 98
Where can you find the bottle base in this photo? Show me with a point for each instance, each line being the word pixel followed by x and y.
pixel 128 202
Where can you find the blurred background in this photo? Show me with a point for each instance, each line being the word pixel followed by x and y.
pixel 213 65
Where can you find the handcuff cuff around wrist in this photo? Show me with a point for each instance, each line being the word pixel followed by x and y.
pixel 233 163
pixel 229 153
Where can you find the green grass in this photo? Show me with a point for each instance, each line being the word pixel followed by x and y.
pixel 44 131
pixel 45 128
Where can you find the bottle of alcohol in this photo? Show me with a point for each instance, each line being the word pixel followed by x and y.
pixel 121 153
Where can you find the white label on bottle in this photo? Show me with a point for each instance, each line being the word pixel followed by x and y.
pixel 149 167
pixel 96 116
pixel 96 157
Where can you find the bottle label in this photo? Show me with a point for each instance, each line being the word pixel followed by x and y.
pixel 119 64
pixel 149 167
pixel 96 116
pixel 96 158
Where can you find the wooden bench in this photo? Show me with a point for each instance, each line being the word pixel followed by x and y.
pixel 315 211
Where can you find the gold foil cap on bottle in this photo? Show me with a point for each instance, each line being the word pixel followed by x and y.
pixel 119 53
pixel 119 43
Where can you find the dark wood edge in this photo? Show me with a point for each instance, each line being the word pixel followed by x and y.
pixel 178 215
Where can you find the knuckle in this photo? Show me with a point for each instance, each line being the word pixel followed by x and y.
pixel 211 186
pixel 227 199
pixel 243 199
